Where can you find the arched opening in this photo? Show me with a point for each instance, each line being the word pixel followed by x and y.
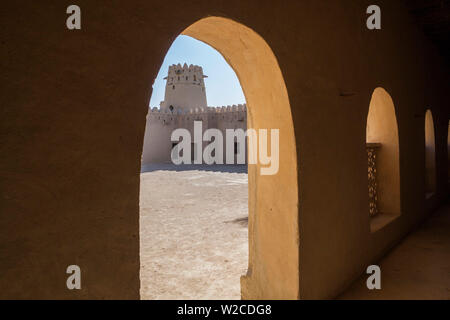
pixel 273 210
pixel 383 160
pixel 430 155
pixel 194 215
pixel 448 155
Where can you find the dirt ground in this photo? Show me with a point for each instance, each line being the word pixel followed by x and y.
pixel 193 231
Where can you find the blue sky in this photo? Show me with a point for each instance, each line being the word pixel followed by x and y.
pixel 222 84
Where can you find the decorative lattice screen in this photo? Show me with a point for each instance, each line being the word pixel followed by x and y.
pixel 372 151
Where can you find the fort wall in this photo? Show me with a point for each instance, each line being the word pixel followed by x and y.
pixel 162 122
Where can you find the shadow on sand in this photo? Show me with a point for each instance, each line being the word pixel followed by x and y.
pixel 237 168
pixel 241 221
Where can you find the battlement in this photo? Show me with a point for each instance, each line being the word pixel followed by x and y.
pixel 181 111
pixel 180 117
pixel 178 69
pixel 192 74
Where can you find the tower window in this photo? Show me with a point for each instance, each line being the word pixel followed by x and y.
pixel 195 77
pixel 173 87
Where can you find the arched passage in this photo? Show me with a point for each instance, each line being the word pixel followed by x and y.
pixel 273 270
pixel 448 153
pixel 430 155
pixel 383 152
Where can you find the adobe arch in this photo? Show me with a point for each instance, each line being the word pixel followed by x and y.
pixel 273 271
pixel 382 129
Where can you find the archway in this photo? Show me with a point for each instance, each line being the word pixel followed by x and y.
pixel 430 155
pixel 448 154
pixel 383 160
pixel 193 214
pixel 273 270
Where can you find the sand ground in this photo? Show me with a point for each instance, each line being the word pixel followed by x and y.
pixel 193 231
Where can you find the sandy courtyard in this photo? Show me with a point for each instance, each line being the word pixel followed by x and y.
pixel 193 231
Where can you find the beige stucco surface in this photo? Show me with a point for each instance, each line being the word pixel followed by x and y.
pixel 193 231
pixel 157 146
pixel 72 123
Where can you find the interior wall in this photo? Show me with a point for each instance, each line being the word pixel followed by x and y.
pixel 73 117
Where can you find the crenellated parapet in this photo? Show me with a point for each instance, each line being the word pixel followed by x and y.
pixel 178 74
pixel 179 111
pixel 179 115
pixel 233 108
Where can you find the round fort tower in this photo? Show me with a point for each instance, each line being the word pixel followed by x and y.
pixel 185 88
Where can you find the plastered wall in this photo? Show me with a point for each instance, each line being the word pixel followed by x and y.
pixel 161 124
pixel 72 122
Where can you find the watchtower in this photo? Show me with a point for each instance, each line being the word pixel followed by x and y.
pixel 185 88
